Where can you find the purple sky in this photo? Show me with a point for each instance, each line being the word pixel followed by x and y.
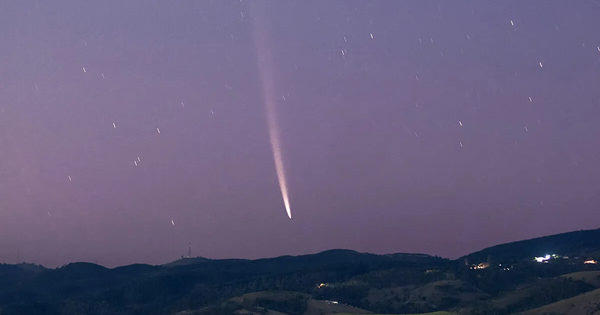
pixel 439 127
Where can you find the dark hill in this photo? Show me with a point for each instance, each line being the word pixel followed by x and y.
pixel 290 263
pixel 393 283
pixel 31 267
pixel 579 243
pixel 186 261
pixel 418 258
pixel 136 269
pixel 13 274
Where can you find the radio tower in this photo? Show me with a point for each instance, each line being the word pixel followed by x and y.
pixel 189 250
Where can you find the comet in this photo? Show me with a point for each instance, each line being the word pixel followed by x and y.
pixel 265 65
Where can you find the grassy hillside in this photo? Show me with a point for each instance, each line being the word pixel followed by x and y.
pixel 589 277
pixel 585 304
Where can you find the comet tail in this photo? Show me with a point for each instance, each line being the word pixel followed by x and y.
pixel 265 66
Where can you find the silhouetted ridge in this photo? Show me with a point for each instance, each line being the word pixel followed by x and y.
pixel 82 268
pixel 328 256
pixel 578 243
pixel 31 267
pixel 416 257
pixel 136 269
pixel 400 283
pixel 186 261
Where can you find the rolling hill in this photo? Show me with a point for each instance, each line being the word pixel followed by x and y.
pixel 584 304
pixel 583 244
pixel 330 282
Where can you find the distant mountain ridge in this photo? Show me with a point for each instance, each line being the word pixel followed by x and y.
pixel 332 255
pixel 577 243
pixel 583 242
pixel 337 280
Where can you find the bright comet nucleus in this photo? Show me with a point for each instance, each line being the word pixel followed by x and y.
pixel 265 69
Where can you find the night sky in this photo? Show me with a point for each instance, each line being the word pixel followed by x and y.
pixel 130 128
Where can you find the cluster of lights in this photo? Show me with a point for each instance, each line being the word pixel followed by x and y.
pixel 548 257
pixel 543 259
pixel 480 266
pixel 486 265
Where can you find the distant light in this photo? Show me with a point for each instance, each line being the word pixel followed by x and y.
pixel 480 266
pixel 591 261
